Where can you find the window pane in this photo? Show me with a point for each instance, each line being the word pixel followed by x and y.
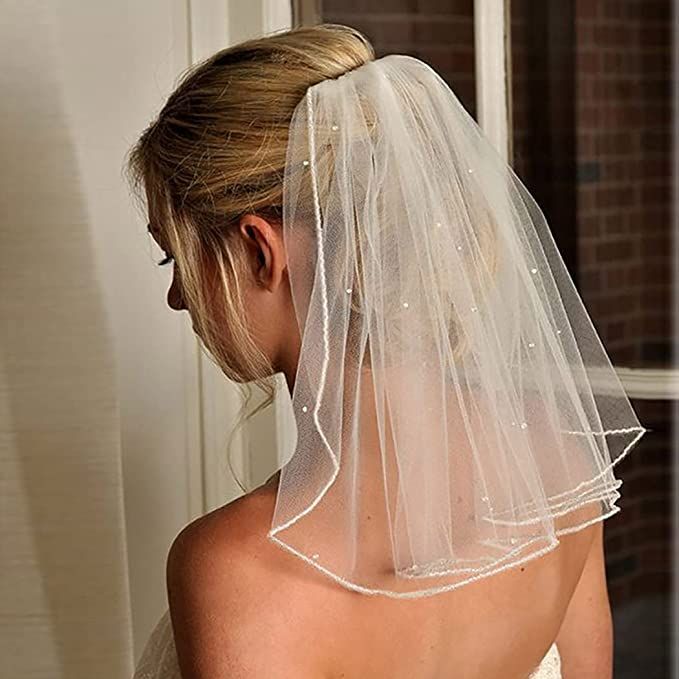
pixel 440 32
pixel 591 90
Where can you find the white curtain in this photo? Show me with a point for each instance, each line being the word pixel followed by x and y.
pixel 64 603
pixel 101 385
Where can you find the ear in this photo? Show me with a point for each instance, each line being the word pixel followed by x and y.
pixel 264 243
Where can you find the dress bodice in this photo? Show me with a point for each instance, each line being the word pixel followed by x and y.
pixel 159 658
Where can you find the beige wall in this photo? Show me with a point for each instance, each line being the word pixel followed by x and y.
pixel 111 423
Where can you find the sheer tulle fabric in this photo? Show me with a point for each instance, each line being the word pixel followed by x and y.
pixel 455 409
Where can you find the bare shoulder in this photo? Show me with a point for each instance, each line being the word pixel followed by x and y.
pixel 219 545
pixel 235 597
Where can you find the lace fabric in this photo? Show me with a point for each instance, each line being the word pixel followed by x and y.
pixel 159 657
pixel 550 667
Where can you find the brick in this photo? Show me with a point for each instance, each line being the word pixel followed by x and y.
pixel 614 545
pixel 615 331
pixel 658 326
pixel 655 193
pixel 585 144
pixel 648 483
pixel 658 299
pixel 589 116
pixel 655 218
pixel 586 9
pixel 587 199
pixel 588 61
pixel 460 8
pixel 618 593
pixel 631 115
pixel 657 115
pixel 656 456
pixel 658 167
pixel 642 585
pixel 613 143
pixel 614 35
pixel 655 559
pixel 616 168
pixel 656 507
pixel 615 197
pixel 444 59
pixel 590 280
pixel 655 35
pixel 448 31
pixel 655 11
pixel 398 29
pixel 617 277
pixel 657 245
pixel 585 34
pixel 611 9
pixel 618 567
pixel 656 140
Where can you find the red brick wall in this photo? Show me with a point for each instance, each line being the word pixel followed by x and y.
pixel 624 139
pixel 440 32
pixel 622 99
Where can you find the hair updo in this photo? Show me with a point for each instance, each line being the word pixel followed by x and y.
pixel 217 151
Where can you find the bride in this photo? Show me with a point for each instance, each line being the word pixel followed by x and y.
pixel 342 220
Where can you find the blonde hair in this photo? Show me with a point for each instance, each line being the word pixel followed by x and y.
pixel 217 151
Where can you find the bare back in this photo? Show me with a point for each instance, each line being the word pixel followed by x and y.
pixel 499 627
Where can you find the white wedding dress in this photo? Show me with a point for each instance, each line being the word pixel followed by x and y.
pixel 159 659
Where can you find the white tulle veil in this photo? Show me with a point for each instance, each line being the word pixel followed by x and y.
pixel 455 409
